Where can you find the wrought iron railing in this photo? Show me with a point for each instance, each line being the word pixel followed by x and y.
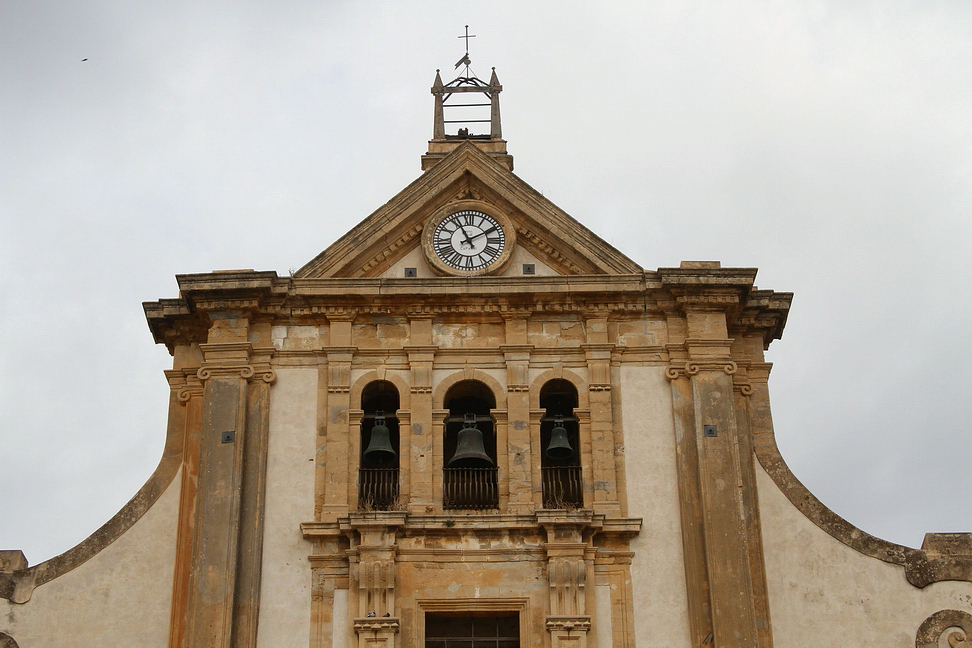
pixel 562 487
pixel 377 488
pixel 470 488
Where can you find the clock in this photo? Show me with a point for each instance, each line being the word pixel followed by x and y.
pixel 468 240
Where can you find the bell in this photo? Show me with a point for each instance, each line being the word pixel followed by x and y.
pixel 559 447
pixel 380 447
pixel 470 452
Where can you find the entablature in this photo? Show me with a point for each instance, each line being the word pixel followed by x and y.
pixel 263 296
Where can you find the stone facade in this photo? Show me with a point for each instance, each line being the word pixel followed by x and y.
pixel 470 302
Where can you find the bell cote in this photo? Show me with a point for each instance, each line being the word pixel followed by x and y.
pixel 467 109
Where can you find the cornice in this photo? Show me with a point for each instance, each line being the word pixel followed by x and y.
pixel 391 251
pixel 413 523
pixel 264 295
pixel 706 276
pixel 764 313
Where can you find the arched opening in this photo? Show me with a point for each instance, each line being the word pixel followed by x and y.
pixel 560 439
pixel 379 460
pixel 469 448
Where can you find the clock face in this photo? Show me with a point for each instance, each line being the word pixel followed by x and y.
pixel 469 240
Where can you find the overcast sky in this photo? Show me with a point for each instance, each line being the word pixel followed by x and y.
pixel 829 144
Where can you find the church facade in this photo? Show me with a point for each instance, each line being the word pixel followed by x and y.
pixel 472 422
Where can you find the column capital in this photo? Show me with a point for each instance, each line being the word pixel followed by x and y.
pixel 236 360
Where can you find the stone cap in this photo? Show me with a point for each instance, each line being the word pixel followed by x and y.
pixel 12 560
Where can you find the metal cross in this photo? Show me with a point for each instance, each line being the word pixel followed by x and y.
pixel 467 37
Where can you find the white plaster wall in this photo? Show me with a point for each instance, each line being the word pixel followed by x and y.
pixel 286 581
pixel 121 596
pixel 657 572
pixel 825 594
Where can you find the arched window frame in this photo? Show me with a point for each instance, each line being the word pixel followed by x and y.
pixel 583 414
pixel 561 480
pixel 499 418
pixel 359 423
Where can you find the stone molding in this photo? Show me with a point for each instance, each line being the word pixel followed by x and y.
pixel 469 373
pixel 954 626
pixel 553 256
pixel 569 623
pixel 467 165
pixel 679 368
pixel 580 384
pixel 6 641
pixel 942 556
pixel 358 385
pixel 386 257
pixel 321 300
pixel 597 523
pixel 377 624
pixel 184 383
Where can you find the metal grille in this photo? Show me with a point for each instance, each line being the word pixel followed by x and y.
pixel 470 488
pixel 562 487
pixel 377 488
pixel 472 631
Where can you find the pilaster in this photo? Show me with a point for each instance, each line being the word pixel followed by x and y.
pixel 603 466
pixel 570 558
pixel 721 536
pixel 422 441
pixel 329 585
pixel 225 566
pixel 335 473
pixel 518 438
pixel 373 575
pixel 187 414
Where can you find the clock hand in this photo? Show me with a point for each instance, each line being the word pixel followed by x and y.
pixel 483 233
pixel 468 241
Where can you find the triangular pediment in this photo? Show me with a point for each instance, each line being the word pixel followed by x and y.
pixel 392 235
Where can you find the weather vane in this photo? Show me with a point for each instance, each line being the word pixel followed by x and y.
pixel 465 59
